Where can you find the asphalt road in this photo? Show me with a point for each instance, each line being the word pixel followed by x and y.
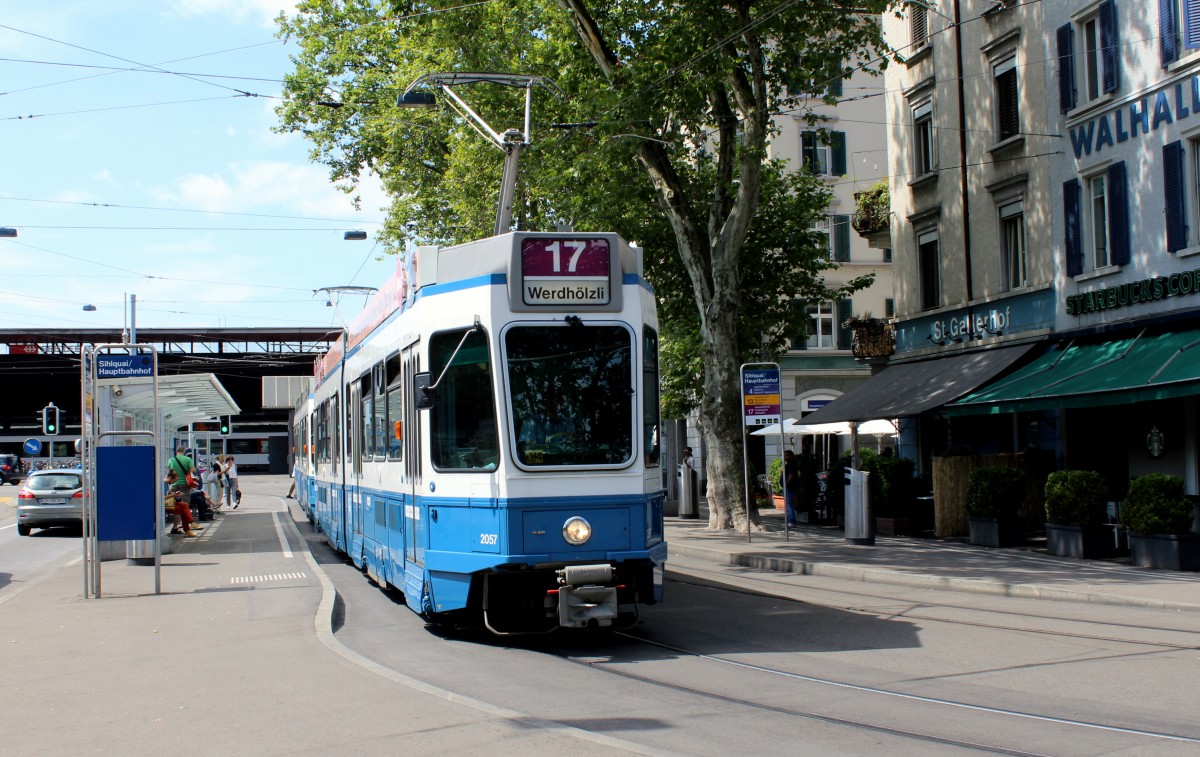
pixel 738 661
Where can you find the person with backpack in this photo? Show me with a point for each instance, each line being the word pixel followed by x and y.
pixel 233 494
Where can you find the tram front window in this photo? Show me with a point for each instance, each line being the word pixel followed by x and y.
pixel 572 394
pixel 463 420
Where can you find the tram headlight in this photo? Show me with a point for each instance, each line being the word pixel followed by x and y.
pixel 577 531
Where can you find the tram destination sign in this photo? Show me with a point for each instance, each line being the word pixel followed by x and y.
pixel 565 271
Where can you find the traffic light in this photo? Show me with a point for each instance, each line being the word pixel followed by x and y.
pixel 50 425
pixel 225 425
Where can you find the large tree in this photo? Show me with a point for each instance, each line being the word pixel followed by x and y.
pixel 662 135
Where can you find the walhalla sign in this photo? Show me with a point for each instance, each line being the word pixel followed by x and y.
pixel 1146 290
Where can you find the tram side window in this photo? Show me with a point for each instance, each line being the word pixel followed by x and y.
pixel 380 422
pixel 394 427
pixel 650 423
pixel 463 421
pixel 366 418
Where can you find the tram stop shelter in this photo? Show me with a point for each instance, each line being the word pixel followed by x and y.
pixel 128 405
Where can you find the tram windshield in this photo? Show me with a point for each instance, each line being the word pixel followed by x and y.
pixel 572 394
pixel 463 422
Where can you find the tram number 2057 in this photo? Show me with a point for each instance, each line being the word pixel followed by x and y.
pixel 488 539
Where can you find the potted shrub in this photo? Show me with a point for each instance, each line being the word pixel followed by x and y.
pixel 1159 517
pixel 1076 511
pixel 892 491
pixel 994 498
pixel 775 474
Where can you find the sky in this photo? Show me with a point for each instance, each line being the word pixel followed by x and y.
pixel 167 184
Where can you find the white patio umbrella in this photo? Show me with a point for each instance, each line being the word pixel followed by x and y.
pixel 773 430
pixel 878 429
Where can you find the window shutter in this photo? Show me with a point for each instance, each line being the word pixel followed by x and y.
pixel 837 146
pixel 919 28
pixel 1073 243
pixel 1167 32
pixel 930 262
pixel 1176 204
pixel 889 308
pixel 1191 23
pixel 841 239
pixel 1111 45
pixel 1066 67
pixel 808 151
pixel 845 337
pixel 1007 109
pixel 834 88
pixel 800 314
pixel 1118 215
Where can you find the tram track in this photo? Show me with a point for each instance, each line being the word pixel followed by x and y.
pixel 611 667
pixel 778 590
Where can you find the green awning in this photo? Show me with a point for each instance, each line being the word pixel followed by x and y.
pixel 1116 372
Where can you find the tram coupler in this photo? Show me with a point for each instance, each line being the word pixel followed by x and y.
pixel 582 600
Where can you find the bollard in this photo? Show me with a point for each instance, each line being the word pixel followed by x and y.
pixel 689 495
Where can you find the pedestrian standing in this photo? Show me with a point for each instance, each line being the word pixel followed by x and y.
pixel 791 486
pixel 233 494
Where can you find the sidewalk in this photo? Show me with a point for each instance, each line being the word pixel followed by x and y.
pixel 934 564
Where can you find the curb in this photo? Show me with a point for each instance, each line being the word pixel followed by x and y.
pixel 921 580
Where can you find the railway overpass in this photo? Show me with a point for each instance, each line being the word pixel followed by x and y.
pixel 43 365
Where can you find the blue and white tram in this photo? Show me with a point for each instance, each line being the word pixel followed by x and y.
pixel 487 439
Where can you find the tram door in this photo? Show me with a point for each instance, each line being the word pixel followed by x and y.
pixel 414 526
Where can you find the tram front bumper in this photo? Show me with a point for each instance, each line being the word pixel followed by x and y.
pixel 583 599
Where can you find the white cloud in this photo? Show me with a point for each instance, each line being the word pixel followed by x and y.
pixel 263 12
pixel 263 186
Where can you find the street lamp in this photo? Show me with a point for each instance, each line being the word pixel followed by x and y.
pixel 354 236
pixel 510 142
pixel 7 232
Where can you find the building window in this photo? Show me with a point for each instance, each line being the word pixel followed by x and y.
pixel 929 261
pixel 1012 241
pixel 1179 28
pixel 1097 210
pixel 1008 115
pixel 821 331
pixel 820 326
pixel 823 154
pixel 918 29
pixel 822 230
pixel 1097 59
pixel 1096 220
pixel 923 145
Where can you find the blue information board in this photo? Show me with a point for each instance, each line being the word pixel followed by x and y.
pixel 126 493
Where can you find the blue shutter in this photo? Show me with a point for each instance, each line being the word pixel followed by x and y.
pixel 808 151
pixel 1176 202
pixel 1066 67
pixel 1118 215
pixel 1191 23
pixel 838 161
pixel 835 81
pixel 1073 243
pixel 845 337
pixel 1167 32
pixel 841 239
pixel 1110 45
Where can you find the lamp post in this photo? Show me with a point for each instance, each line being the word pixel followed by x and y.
pixel 510 142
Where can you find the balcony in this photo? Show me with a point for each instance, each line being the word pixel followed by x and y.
pixel 873 214
pixel 874 338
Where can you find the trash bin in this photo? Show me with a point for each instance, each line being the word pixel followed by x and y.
pixel 689 494
pixel 859 528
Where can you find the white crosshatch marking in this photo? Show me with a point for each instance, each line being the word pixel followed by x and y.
pixel 267 577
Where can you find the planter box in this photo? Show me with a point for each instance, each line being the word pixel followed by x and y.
pixel 992 532
pixel 1080 542
pixel 893 526
pixel 777 500
pixel 1165 551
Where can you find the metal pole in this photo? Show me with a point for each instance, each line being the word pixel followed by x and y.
pixel 508 183
pixel 787 527
pixel 746 480
pixel 133 319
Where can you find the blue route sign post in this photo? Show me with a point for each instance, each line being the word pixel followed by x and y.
pixel 762 405
pixel 32 446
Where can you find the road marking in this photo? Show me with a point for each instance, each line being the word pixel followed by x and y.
pixel 265 578
pixel 10 525
pixel 283 545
